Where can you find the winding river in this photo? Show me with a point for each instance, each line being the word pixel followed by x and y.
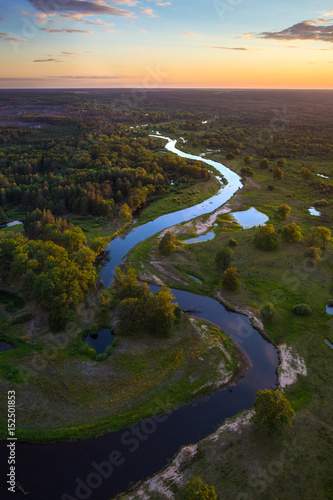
pixel 99 468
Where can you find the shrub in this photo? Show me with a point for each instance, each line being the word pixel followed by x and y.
pixel 248 160
pixel 320 236
pixel 86 350
pixel 313 253
pixel 94 329
pixel 284 211
pixel 233 242
pixel 223 258
pixel 196 489
pixel 292 232
pixel 102 357
pixel 320 203
pixel 264 163
pixel 230 279
pixel 278 174
pixel 267 311
pixel 282 162
pixel 305 173
pixel 266 238
pixel 247 171
pixel 230 156
pixel 302 310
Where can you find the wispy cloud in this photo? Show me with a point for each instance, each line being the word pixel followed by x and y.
pixel 306 30
pixel 8 37
pixel 147 12
pixel 83 7
pixel 89 77
pixel 47 60
pixel 245 49
pixel 66 31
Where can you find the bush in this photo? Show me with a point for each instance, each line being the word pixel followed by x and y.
pixel 196 489
pixel 20 320
pixel 93 330
pixel 247 171
pixel 302 310
pixel 86 350
pixel 230 279
pixel 305 173
pixel 102 357
pixel 313 253
pixel 292 232
pixel 278 174
pixel 320 236
pixel 266 238
pixel 267 312
pixel 233 242
pixel 14 375
pixel 230 156
pixel 284 211
pixel 223 258
pixel 320 203
pixel 282 162
pixel 264 163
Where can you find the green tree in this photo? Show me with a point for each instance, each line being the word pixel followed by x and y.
pixel 196 489
pixel 230 279
pixel 278 174
pixel 98 244
pixel 292 232
pixel 266 238
pixel 126 285
pixel 284 211
pixel 272 411
pixel 167 244
pixel 159 312
pixel 124 212
pixel 248 160
pixel 223 258
pixel 130 317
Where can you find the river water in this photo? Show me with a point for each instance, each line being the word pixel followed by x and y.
pixel 99 468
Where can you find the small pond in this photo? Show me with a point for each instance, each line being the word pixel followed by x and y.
pixel 329 343
pixel 329 308
pixel 103 338
pixel 4 346
pixel 13 223
pixel 194 278
pixel 250 218
pixel 313 211
pixel 203 237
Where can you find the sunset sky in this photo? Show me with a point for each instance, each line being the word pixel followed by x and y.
pixel 158 44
